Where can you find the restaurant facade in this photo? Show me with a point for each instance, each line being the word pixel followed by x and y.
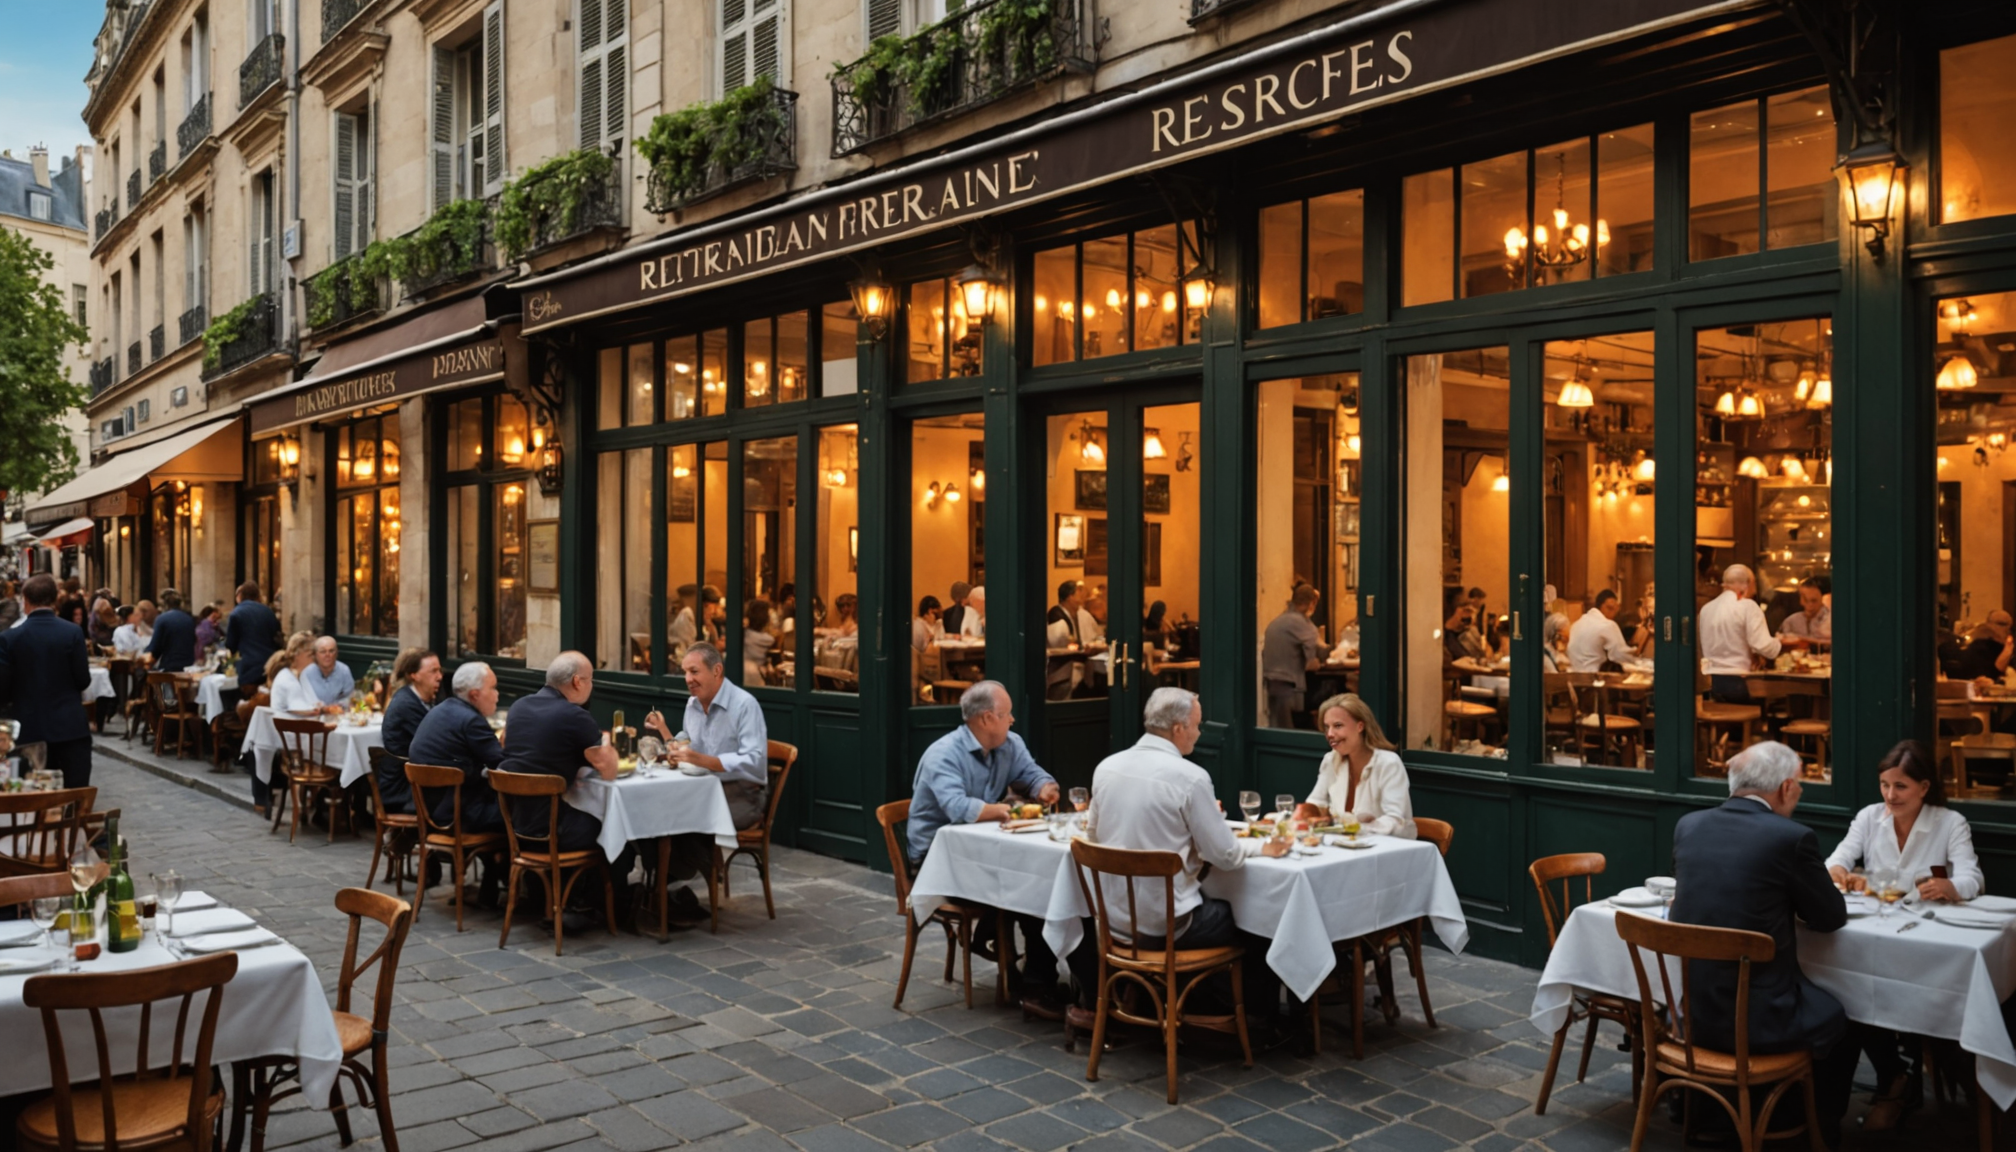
pixel 1424 304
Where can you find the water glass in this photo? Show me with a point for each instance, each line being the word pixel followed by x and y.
pixel 1284 804
pixel 1249 803
pixel 44 912
pixel 1080 797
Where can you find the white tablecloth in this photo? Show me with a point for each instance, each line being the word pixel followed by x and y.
pixel 1935 980
pixel 1302 905
pixel 210 695
pixel 274 1006
pixel 349 747
pixel 101 685
pixel 668 803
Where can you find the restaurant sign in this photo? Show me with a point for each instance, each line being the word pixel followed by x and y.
pixel 475 362
pixel 1369 60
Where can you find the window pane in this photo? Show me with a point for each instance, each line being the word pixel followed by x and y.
pixel 1624 200
pixel 1428 218
pixel 1458 522
pixel 623 561
pixel 387 592
pixel 1562 236
pixel 1337 254
pixel 793 356
pixel 714 372
pixel 759 364
pixel 696 528
pixel 1722 182
pixel 1800 168
pixel 682 378
pixel 638 394
pixel 388 450
pixel 1157 323
pixel 836 652
pixel 1764 538
pixel 609 375
pixel 927 331
pixel 1977 103
pixel 1105 307
pixel 514 432
pixel 1055 311
pixel 1494 203
pixel 947 556
pixel 840 332
pixel 1597 504
pixel 353 551
pixel 1281 264
pixel 462 529
pixel 1075 532
pixel 1308 442
pixel 465 435
pixel 769 555
pixel 510 522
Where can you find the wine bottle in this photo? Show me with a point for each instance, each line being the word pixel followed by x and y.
pixel 122 912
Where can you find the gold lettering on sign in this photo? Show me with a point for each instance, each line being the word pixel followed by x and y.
pixel 465 361
pixel 542 306
pixel 347 394
pixel 1301 86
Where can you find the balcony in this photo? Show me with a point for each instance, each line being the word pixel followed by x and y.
pixel 261 69
pixel 194 129
pixel 341 293
pixel 102 375
pixel 193 322
pixel 242 335
pixel 1202 9
pixel 133 358
pixel 563 199
pixel 748 136
pixel 157 161
pixel 157 343
pixel 133 190
pixel 454 245
pixel 968 59
pixel 106 218
pixel 338 13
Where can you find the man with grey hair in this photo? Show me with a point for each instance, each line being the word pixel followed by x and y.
pixel 329 680
pixel 725 735
pixel 1732 631
pixel 553 734
pixel 456 733
pixel 1747 865
pixel 973 623
pixel 1290 648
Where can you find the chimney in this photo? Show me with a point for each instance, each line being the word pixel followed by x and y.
pixel 39 157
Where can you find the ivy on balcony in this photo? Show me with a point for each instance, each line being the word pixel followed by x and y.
pixel 452 244
pixel 705 149
pixel 351 287
pixel 240 336
pixel 565 197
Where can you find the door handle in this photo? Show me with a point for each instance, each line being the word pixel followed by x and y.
pixel 1516 634
pixel 1669 629
pixel 1121 661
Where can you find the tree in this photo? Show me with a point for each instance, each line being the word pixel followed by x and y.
pixel 36 327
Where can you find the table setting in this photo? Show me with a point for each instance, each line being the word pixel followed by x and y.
pixel 350 742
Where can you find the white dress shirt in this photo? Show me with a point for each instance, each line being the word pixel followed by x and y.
pixel 1383 805
pixel 1811 626
pixel 1731 631
pixel 1090 631
pixel 1938 836
pixel 289 696
pixel 731 728
pixel 973 626
pixel 1149 798
pixel 127 640
pixel 1595 638
pixel 924 633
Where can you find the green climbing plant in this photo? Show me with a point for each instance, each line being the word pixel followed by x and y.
pixel 449 243
pixel 1021 35
pixel 226 330
pixel 875 75
pixel 550 198
pixel 684 148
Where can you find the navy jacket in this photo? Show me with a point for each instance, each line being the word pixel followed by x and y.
pixel 174 643
pixel 549 735
pixel 45 666
pixel 1744 866
pixel 402 720
pixel 455 735
pixel 253 632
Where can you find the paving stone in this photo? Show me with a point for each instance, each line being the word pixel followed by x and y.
pixel 625 1129
pixel 835 1138
pixel 841 1097
pixel 779 1110
pixel 911 1124
pixel 689 1114
pixel 1035 1132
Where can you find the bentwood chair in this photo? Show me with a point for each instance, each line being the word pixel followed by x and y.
pixel 957 917
pixel 1166 975
pixel 173 701
pixel 755 842
pixel 1674 1059
pixel 448 840
pixel 388 826
pixel 539 854
pixel 173 1106
pixel 1377 949
pixel 1554 878
pixel 40 830
pixel 304 758
pixel 16 891
pixel 257 1085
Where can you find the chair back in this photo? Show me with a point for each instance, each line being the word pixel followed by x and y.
pixel 18 890
pixel 161 692
pixel 1685 942
pixel 41 829
pixel 1129 866
pixel 436 776
pixel 119 670
pixel 305 742
pixel 783 757
pixel 1437 832
pixel 378 756
pixel 890 816
pixel 1564 870
pixel 260 698
pixel 530 787
pixel 396 915
pixel 140 988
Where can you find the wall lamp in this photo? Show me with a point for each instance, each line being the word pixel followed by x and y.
pixel 874 299
pixel 1873 172
pixel 947 493
pixel 979 291
pixel 551 468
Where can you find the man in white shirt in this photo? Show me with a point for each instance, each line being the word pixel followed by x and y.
pixel 1812 627
pixel 127 639
pixel 1732 631
pixel 1092 618
pixel 1595 640
pixel 1151 798
pixel 973 626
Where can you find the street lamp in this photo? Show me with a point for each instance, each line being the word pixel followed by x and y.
pixel 979 291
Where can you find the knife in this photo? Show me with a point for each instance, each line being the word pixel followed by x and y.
pixel 1908 925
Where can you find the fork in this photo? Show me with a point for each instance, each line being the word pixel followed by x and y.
pixel 1908 925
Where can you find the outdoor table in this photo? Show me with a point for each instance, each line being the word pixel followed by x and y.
pixel 1935 980
pixel 1303 905
pixel 665 804
pixel 101 685
pixel 210 695
pixel 349 745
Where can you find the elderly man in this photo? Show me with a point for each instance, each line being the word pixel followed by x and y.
pixel 1595 641
pixel 173 645
pixel 1149 798
pixel 1812 627
pixel 1061 631
pixel 726 735
pixel 963 778
pixel 973 625
pixel 1732 630
pixel 45 665
pixel 330 681
pixel 456 734
pixel 553 734
pixel 127 639
pixel 1991 650
pixel 1460 638
pixel 1747 865
pixel 417 676
pixel 1290 649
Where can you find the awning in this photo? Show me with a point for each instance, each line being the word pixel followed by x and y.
pixel 14 531
pixel 444 348
pixel 205 453
pixel 59 535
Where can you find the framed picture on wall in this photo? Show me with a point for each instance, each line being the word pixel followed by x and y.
pixel 1070 539
pixel 1155 494
pixel 1090 490
pixel 682 498
pixel 1095 546
pixel 543 548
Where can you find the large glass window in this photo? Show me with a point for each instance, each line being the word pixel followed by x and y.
pixel 1310 444
pixel 942 341
pixel 1760 175
pixel 174 508
pixel 776 360
pixel 492 446
pixel 623 560
pixel 836 651
pixel 1977 103
pixel 1312 258
pixel 1115 294
pixel 368 528
pixel 696 546
pixel 948 555
pixel 769 558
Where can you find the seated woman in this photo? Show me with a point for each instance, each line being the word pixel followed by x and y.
pixel 1913 834
pixel 1362 774
pixel 757 641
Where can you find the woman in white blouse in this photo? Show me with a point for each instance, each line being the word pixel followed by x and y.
pixel 288 695
pixel 1362 774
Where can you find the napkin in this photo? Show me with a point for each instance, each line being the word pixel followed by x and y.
pixel 229 941
pixel 23 963
pixel 1962 918
pixel 1992 904
pixel 14 933
pixel 213 920
pixel 194 901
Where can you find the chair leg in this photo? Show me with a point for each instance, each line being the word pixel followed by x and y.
pixel 1554 1062
pixel 556 904
pixel 608 895
pixel 459 876
pixel 966 955
pixel 1644 1117
pixel 1099 1021
pixel 295 797
pixel 1170 1017
pixel 510 903
pixel 1239 1011
pixel 277 796
pixel 1358 999
pixel 1588 1042
pixel 241 1102
pixel 340 1112
pixel 763 869
pixel 951 949
pixel 377 849
pixel 381 1098
pixel 420 856
pixel 714 875
pixel 909 954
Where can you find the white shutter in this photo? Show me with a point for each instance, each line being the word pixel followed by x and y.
pixel 755 40
pixel 734 44
pixel 494 166
pixel 603 71
pixel 441 137
pixel 345 200
pixel 885 18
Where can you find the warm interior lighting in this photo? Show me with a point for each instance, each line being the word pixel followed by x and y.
pixel 1197 292
pixel 1355 443
pixel 1794 468
pixel 1142 300
pixel 837 478
pixel 1873 172
pixel 1804 388
pixel 931 495
pixel 1575 394
pixel 977 293
pixel 1502 484
pixel 1151 446
pixel 872 299
pixel 514 449
pixel 1750 407
pixel 1042 304
pixel 1753 468
pixel 389 457
pixel 1958 373
pixel 1113 299
pixel 1090 450
pixel 681 471
pixel 1725 404
pixel 951 493
pixel 1646 468
pixel 1805 501
pixel 978 480
pixel 1823 393
pixel 125 530
pixel 1169 301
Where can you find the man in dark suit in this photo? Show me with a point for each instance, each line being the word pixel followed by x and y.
pixel 1747 865
pixel 253 632
pixel 45 666
pixel 456 734
pixel 173 647
pixel 955 611
pixel 418 674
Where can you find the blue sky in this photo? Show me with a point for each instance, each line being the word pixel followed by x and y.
pixel 45 50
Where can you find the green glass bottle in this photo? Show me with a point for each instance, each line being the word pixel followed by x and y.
pixel 122 913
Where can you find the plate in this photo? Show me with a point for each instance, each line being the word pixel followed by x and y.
pixel 1347 842
pixel 1992 904
pixel 23 963
pixel 1637 898
pixel 1962 918
pixel 692 770
pixel 14 933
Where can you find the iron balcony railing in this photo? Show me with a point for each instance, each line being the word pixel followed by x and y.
pixel 261 69
pixel 1199 9
pixel 258 335
pixel 157 343
pixel 970 58
pixel 195 128
pixel 768 145
pixel 106 218
pixel 133 189
pixel 336 297
pixel 193 322
pixel 102 375
pixel 157 161
pixel 337 13
pixel 598 208
pixel 429 268
pixel 133 358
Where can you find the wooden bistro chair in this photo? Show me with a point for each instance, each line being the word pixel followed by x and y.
pixel 444 840
pixel 1719 722
pixel 40 830
pixel 135 699
pixel 257 1085
pixel 1675 1060
pixel 1554 877
pixel 173 701
pixel 304 758
pixel 1165 975
pixel 18 891
pixel 1377 949
pixel 955 916
pixel 539 855
pixel 755 842
pixel 176 1105
pixel 387 825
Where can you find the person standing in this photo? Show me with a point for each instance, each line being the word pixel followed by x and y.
pixel 330 681
pixel 45 666
pixel 253 632
pixel 1732 631
pixel 1290 649
pixel 173 647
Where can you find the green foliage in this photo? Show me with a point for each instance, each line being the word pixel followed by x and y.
pixel 875 75
pixel 550 197
pixel 930 69
pixel 1017 38
pixel 354 278
pixel 36 330
pixel 1021 35
pixel 450 242
pixel 227 329
pixel 684 147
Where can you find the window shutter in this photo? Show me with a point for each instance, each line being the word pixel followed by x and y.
pixel 765 40
pixel 367 178
pixel 494 166
pixel 616 75
pixel 346 186
pixel 734 44
pixel 885 18
pixel 603 63
pixel 442 137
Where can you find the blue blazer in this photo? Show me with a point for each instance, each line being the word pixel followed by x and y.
pixel 174 643
pixel 44 668
pixel 253 632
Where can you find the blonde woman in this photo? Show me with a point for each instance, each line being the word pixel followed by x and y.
pixel 291 697
pixel 1362 774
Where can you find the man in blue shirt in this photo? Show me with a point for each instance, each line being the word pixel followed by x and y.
pixel 173 647
pixel 963 778
pixel 329 681
pixel 553 734
pixel 727 736
pixel 253 632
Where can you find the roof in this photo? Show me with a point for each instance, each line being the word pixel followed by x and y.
pixel 66 191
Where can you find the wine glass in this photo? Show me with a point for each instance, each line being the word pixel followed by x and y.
pixel 86 869
pixel 1283 805
pixel 1080 797
pixel 1249 803
pixel 44 911
pixel 1889 888
pixel 167 894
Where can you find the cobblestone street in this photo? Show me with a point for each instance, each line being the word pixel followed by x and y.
pixel 780 1035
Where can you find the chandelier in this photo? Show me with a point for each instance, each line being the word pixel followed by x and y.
pixel 1563 246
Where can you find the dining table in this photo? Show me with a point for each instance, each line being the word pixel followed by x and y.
pixel 1301 904
pixel 210 689
pixel 349 751
pixel 100 687
pixel 657 803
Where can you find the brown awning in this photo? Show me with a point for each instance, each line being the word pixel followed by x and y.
pixel 445 348
pixel 200 454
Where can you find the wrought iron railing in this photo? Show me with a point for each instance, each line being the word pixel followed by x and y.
pixel 157 161
pixel 106 218
pixel 195 128
pixel 1199 9
pixel 133 189
pixel 261 69
pixel 429 268
pixel 970 58
pixel 157 342
pixel 337 13
pixel 102 375
pixel 192 323
pixel 133 358
pixel 599 208
pixel 258 335
pixel 768 147
pixel 338 297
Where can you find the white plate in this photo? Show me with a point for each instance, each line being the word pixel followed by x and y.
pixel 14 933
pixel 1962 918
pixel 24 963
pixel 1637 898
pixel 1992 904
pixel 1347 842
pixel 693 770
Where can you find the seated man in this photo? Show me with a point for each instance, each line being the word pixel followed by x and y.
pixel 1149 798
pixel 553 734
pixel 1595 642
pixel 126 638
pixel 456 734
pixel 1812 626
pixel 726 735
pixel 963 778
pixel 417 679
pixel 330 682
